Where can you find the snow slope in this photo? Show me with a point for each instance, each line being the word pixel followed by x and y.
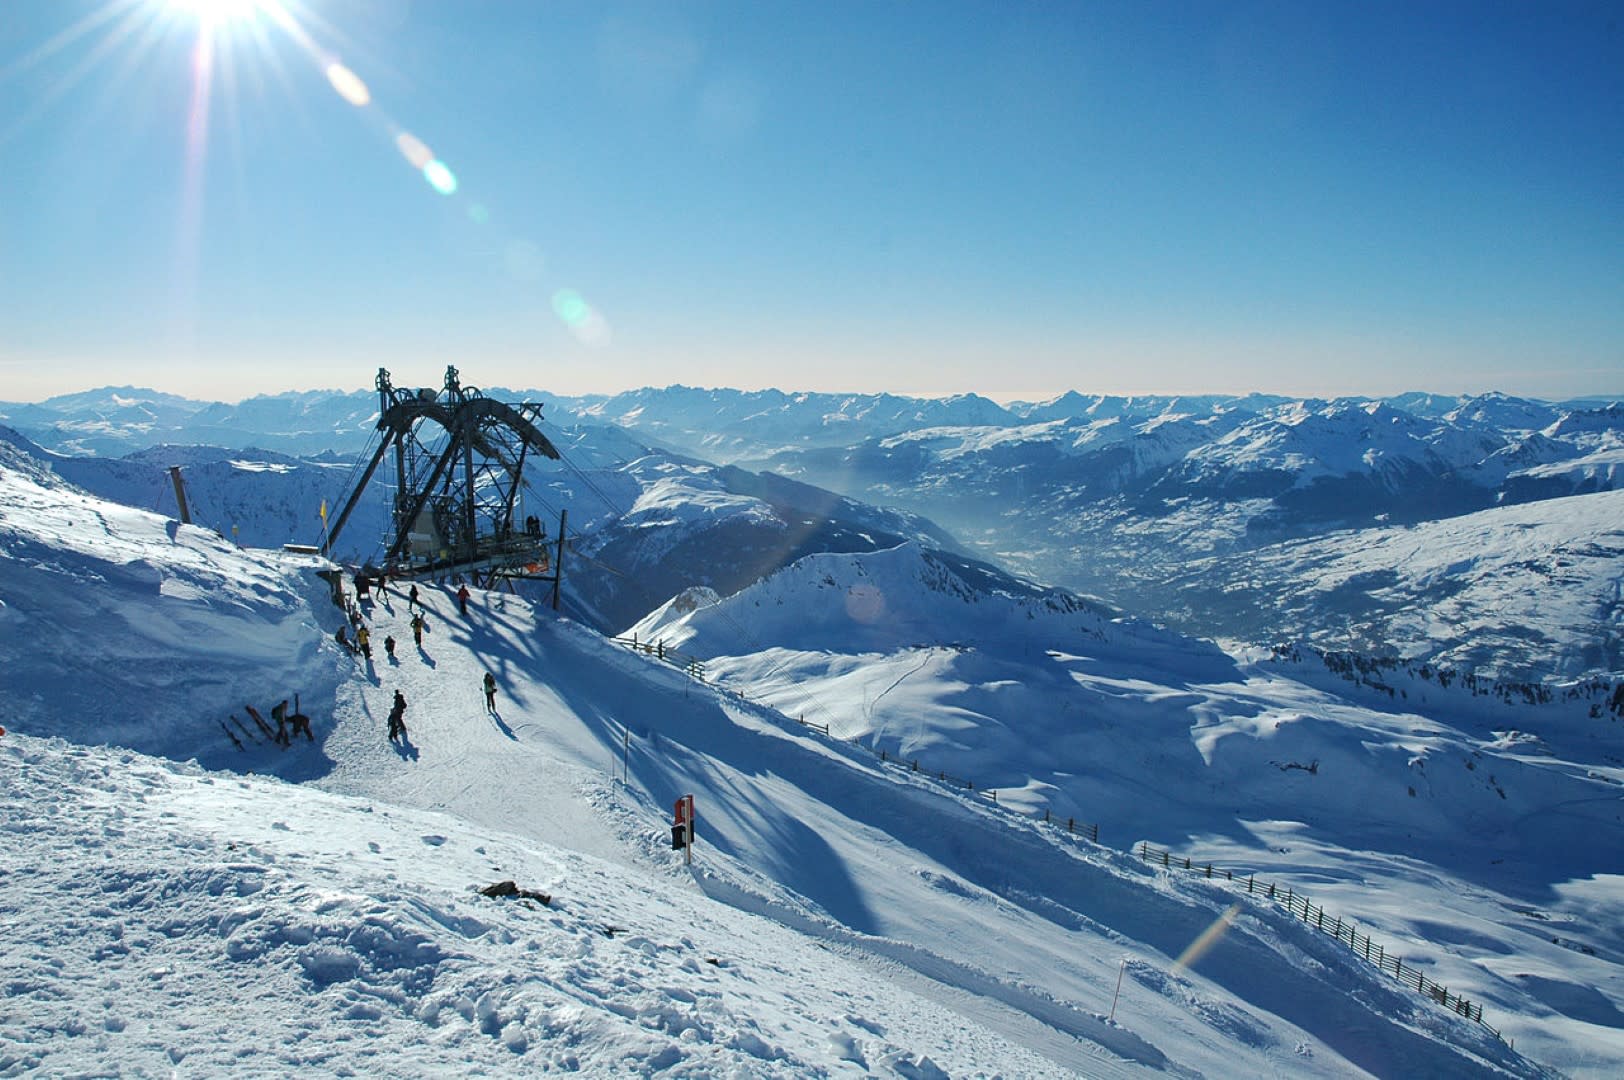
pixel 1425 814
pixel 863 918
pixel 1526 591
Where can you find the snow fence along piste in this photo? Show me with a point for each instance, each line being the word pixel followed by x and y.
pixel 1335 925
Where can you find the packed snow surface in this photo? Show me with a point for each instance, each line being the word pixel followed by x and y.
pixel 317 908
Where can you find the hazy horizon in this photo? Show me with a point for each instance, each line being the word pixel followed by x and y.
pixel 405 379
pixel 249 195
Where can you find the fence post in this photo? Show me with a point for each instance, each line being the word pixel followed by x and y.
pixel 994 794
pixel 1209 869
pixel 1045 813
pixel 1164 859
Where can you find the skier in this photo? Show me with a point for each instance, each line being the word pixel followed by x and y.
pixel 411 601
pixel 418 626
pixel 301 722
pixel 490 692
pixel 389 646
pixel 279 713
pixel 364 639
pixel 462 599
pixel 343 640
pixel 397 717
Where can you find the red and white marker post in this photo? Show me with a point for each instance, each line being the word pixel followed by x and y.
pixel 682 828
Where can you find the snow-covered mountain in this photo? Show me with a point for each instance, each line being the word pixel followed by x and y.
pixel 1522 592
pixel 1113 496
pixel 648 524
pixel 847 913
pixel 115 421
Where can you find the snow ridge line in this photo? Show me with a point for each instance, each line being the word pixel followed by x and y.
pixel 694 668
pixel 1340 928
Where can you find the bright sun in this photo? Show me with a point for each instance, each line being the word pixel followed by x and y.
pixel 216 11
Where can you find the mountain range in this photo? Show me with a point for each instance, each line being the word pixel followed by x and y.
pixel 1162 506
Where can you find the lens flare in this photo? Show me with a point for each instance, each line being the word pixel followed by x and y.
pixel 223 34
pixel 440 178
pixel 865 603
pixel 413 150
pixel 589 327
pixel 349 85
pixel 569 306
pixel 1209 937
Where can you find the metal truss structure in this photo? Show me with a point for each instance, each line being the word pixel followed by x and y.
pixel 459 467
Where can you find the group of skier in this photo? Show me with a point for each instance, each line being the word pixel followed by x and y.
pixel 298 722
pixel 419 623
pixel 289 725
pixel 397 711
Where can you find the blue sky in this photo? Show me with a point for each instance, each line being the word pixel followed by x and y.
pixel 1008 199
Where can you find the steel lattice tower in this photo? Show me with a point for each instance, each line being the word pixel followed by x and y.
pixel 459 462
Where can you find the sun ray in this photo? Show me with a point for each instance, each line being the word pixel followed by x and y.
pixel 62 39
pixel 234 47
pixel 115 38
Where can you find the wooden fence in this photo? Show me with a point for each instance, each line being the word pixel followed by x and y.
pixel 694 666
pixel 1342 929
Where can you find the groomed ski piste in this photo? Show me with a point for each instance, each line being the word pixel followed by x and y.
pixel 174 904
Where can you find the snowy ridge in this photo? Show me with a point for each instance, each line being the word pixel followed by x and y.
pixel 146 589
pixel 1530 591
pixel 1103 495
pixel 873 600
pixel 957 938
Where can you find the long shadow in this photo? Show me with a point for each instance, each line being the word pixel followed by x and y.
pixel 426 658
pixel 405 748
pixel 981 850
pixel 502 727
